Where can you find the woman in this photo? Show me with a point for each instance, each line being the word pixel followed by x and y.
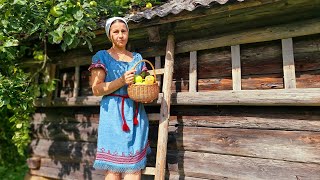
pixel 123 124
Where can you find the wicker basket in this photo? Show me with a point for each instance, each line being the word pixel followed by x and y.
pixel 144 93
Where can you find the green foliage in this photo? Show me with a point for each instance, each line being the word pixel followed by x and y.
pixel 16 172
pixel 27 26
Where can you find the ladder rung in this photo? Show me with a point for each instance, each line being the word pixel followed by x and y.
pixel 158 71
pixel 149 171
pixel 154 116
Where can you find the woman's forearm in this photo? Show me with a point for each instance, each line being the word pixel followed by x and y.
pixel 105 88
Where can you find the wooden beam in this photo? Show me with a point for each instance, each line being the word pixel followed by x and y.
pixel 158 71
pixel 292 97
pixel 224 166
pixel 199 13
pixel 154 35
pixel 193 80
pixel 158 67
pixel 283 31
pixel 33 162
pixel 76 81
pixel 293 146
pixel 289 73
pixel 268 33
pixel 273 97
pixel 236 67
pixel 148 171
pixel 165 110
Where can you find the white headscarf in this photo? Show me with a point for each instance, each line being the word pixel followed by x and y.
pixel 110 21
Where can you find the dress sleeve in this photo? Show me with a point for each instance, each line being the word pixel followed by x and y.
pixel 97 62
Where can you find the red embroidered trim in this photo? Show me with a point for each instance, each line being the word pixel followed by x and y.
pixel 97 65
pixel 114 158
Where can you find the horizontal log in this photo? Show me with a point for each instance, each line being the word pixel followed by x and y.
pixel 298 146
pixel 196 165
pixel 275 97
pixel 72 151
pixel 33 162
pixel 66 170
pixel 295 29
pixel 207 165
pixel 86 117
pixel 247 122
pixel 66 131
pixel 28 176
pixel 78 132
pixel 294 97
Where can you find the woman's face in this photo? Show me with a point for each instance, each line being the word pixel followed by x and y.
pixel 119 34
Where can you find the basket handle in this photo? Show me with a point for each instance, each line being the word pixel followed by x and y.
pixel 154 71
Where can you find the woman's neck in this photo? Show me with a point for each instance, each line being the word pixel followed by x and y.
pixel 118 50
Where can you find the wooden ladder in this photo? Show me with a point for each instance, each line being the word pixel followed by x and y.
pixel 165 99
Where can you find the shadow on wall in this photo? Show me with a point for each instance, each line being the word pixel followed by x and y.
pixel 65 139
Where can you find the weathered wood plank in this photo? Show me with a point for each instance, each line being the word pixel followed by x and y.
pixel 251 36
pixel 28 176
pixel 76 82
pixel 165 110
pixel 289 74
pixel 158 71
pixel 66 131
pixel 71 151
pixel 149 171
pixel 298 146
pixel 259 82
pixel 193 70
pixel 33 162
pixel 206 165
pixel 253 121
pixel 157 65
pixel 236 67
pixel 274 97
pixel 295 97
pixel 77 171
pixel 90 117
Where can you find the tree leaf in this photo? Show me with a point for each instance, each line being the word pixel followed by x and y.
pixel 78 15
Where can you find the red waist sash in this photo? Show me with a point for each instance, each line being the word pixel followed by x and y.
pixel 125 126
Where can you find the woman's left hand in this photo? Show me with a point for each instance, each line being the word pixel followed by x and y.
pixel 129 77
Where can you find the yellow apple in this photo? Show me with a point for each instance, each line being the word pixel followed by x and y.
pixel 137 78
pixel 149 79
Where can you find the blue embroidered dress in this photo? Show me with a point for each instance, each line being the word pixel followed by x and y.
pixel 119 150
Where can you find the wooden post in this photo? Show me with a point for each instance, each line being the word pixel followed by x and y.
pixel 236 67
pixel 76 81
pixel 289 73
pixel 157 65
pixel 51 72
pixel 193 81
pixel 165 110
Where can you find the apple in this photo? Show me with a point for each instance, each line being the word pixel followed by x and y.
pixel 148 5
pixel 149 79
pixel 137 78
pixel 55 11
pixel 93 3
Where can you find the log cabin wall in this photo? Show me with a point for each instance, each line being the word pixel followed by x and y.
pixel 220 128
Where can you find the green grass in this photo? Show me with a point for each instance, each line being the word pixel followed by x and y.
pixel 13 172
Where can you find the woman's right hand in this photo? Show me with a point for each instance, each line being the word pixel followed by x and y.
pixel 128 77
